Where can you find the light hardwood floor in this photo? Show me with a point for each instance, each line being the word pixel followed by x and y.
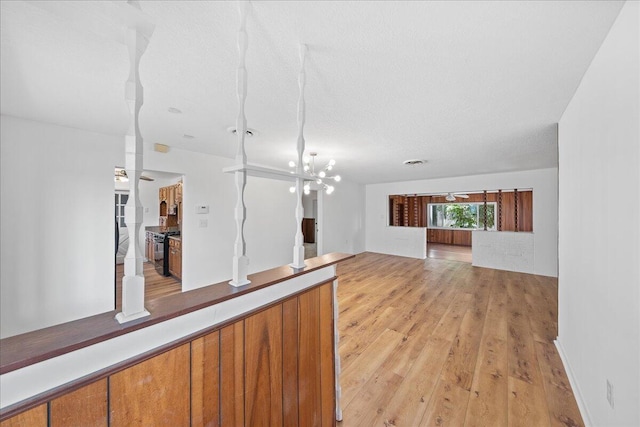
pixel 439 342
pixel 450 252
pixel 156 285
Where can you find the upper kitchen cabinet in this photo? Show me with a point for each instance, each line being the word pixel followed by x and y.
pixel 170 199
pixel 179 192
pixel 171 195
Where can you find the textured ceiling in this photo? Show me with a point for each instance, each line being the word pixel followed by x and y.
pixel 471 87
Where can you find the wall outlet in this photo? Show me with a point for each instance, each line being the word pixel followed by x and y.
pixel 203 223
pixel 610 393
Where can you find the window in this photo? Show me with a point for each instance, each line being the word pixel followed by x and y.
pixel 121 201
pixel 466 216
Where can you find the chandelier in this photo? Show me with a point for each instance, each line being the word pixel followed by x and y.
pixel 319 177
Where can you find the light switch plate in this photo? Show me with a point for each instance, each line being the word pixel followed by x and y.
pixel 202 209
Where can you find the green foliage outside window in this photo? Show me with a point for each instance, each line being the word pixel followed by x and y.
pixel 491 222
pixel 461 215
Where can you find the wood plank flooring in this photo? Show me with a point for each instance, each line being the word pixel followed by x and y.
pixel 156 285
pixel 450 252
pixel 439 342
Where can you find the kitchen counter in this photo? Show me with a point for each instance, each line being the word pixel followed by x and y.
pixel 161 230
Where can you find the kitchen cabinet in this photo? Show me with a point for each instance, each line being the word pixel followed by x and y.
pixel 179 192
pixel 175 257
pixel 149 247
pixel 162 194
pixel 170 199
pixel 171 195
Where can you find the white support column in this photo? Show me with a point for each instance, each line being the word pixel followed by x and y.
pixel 240 260
pixel 298 248
pixel 133 281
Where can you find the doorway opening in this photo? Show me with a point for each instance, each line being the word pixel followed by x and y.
pixel 310 224
pixel 160 238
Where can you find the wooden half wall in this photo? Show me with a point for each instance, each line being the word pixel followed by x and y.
pixel 272 367
pixel 218 355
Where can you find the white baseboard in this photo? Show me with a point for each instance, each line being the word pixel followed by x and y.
pixel 582 407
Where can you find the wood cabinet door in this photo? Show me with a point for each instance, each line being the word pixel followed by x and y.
pixel 171 195
pixel 155 392
pixel 172 261
pixel 205 381
pixel 179 192
pixel 179 263
pixel 263 368
pixel 150 252
pixel 84 407
pixel 33 418
pixel 175 258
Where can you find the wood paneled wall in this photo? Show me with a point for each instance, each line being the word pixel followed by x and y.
pixel 408 211
pixel 449 237
pixel 274 367
pixel 36 417
pixel 411 211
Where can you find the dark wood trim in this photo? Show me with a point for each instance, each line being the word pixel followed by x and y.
pixel 499 223
pixel 27 349
pixel 515 209
pixel 484 201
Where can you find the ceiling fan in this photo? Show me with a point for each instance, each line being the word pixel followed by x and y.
pixel 121 175
pixel 451 197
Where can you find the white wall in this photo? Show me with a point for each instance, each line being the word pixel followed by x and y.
pixel 380 236
pixel 271 225
pixel 207 251
pixel 506 250
pixel 341 219
pixel 57 225
pixel 405 241
pixel 599 282
pixel 307 204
